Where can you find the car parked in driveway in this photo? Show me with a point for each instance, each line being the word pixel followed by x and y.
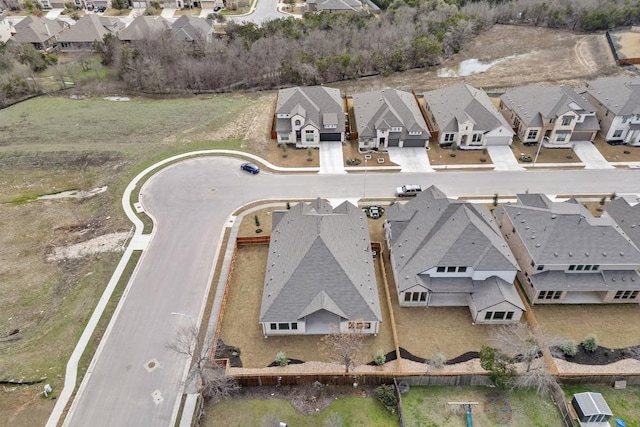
pixel 408 190
pixel 250 167
pixel 217 9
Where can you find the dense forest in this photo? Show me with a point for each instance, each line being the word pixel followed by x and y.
pixel 320 48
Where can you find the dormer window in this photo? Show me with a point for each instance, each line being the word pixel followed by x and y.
pixel 298 122
pixel 566 120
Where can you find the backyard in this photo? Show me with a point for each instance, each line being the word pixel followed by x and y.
pixel 624 404
pixel 440 406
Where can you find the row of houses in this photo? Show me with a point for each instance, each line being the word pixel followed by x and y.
pixel 446 253
pixel 46 34
pixel 556 116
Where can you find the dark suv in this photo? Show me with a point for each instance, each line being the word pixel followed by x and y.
pixel 250 167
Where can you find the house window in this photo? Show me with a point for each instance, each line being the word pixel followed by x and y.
pixel 587 267
pixel 441 269
pixel 273 326
pixel 624 119
pixel 284 137
pixel 540 267
pixel 549 294
pixel 516 123
pixel 617 133
pixel 572 267
pixel 595 267
pixel 451 269
pixel 634 295
pixel 509 315
pixel 579 267
pixel 533 134
pixel 294 326
pixel 533 264
pixel 283 326
pixel 462 269
pixel 423 296
pixel 359 325
pixel 308 136
pixel 407 297
pixel 488 315
pixel 298 123
pixel 476 137
pixel 513 230
pixel 561 137
pixel 448 137
pixel 626 295
pixel 499 315
pixel 566 120
pixel 415 296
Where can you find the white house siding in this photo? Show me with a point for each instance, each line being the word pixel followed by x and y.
pixel 448 300
pixel 303 137
pixel 478 316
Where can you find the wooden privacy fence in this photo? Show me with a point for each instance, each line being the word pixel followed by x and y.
pixel 558 397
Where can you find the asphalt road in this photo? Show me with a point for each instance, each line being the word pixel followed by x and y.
pixel 191 202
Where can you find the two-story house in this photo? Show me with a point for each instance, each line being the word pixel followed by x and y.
pixel 465 116
pixel 389 118
pixel 320 274
pixel 306 116
pixel 617 101
pixel 556 115
pixel 450 253
pixel 568 256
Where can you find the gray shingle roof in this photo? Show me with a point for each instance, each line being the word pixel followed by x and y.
pixel 592 404
pixel 383 109
pixel 621 95
pixel 627 217
pixel 492 291
pixel 36 30
pixel 534 103
pixel 315 103
pixel 320 258
pixel 91 27
pixel 462 102
pixel 431 231
pixel 192 28
pixel 607 280
pixel 144 27
pixel 566 233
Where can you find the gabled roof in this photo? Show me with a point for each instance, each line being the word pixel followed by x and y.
pixel 456 104
pixel 386 108
pixel 319 105
pixel 6 27
pixel 432 230
pixel 90 28
pixel 144 27
pixel 320 259
pixel 192 28
pixel 36 30
pixel 592 404
pixel 627 217
pixel 492 291
pixel 620 95
pixel 535 103
pixel 566 233
pixel 353 5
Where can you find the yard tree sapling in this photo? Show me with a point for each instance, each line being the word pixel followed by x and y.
pixel 343 346
pixel 498 365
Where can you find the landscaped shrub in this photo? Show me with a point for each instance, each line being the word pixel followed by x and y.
pixel 281 359
pixel 569 348
pixel 438 361
pixel 379 358
pixel 590 343
pixel 354 161
pixel 387 396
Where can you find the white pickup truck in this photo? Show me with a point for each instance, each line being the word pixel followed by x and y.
pixel 409 190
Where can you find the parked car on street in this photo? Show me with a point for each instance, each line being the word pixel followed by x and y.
pixel 408 190
pixel 250 167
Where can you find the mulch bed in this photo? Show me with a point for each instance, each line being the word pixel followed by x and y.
pixel 602 355
pixel 230 352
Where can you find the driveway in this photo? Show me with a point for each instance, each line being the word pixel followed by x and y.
pixel 331 158
pixel 590 156
pixel 54 13
pixel 503 159
pixel 167 12
pixel 411 159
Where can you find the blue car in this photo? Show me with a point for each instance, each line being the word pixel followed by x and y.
pixel 250 167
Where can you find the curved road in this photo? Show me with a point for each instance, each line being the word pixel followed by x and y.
pixel 191 202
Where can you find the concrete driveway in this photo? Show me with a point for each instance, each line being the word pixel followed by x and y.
pixel 54 13
pixel 331 158
pixel 410 159
pixel 503 159
pixel 590 156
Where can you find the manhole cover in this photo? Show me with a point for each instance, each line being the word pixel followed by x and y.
pixel 151 365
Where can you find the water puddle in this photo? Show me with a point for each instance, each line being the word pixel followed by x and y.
pixel 469 67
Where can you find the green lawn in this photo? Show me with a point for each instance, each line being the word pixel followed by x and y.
pixel 354 411
pixel 623 403
pixel 428 407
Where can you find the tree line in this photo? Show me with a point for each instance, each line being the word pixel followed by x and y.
pixel 323 48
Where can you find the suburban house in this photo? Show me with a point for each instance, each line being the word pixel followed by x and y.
pixel 389 118
pixel 6 29
pixel 320 273
pixel 334 6
pixel 144 28
pixel 306 116
pixel 568 256
pixel 556 115
pixel 465 116
pixel 193 31
pixel 617 101
pixel 42 33
pixel 89 29
pixel 626 216
pixel 450 253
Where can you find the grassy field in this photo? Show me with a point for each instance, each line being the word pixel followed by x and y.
pixel 354 412
pixel 428 407
pixel 623 403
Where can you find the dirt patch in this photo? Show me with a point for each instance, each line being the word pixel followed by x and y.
pixel 545 155
pixel 106 243
pixel 449 156
pixel 627 44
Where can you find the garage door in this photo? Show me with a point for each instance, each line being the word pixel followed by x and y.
pixel 394 142
pixel 497 140
pixel 329 137
pixel 581 136
pixel 413 143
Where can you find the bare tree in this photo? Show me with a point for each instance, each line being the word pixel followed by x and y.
pixel 343 346
pixel 208 377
